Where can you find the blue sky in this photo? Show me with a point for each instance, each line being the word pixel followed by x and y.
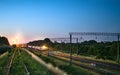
pixel 36 19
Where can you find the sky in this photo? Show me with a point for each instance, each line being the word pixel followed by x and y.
pixel 27 20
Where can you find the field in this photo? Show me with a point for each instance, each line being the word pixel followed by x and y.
pixel 101 68
pixel 18 61
pixel 22 64
pixel 64 65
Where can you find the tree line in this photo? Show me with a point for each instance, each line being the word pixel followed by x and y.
pixel 4 41
pixel 4 45
pixel 101 50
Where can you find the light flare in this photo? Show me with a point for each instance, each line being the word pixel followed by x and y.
pixel 44 47
pixel 16 39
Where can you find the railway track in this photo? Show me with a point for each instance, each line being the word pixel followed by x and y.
pixel 12 60
pixel 107 65
pixel 102 68
pixel 10 63
pixel 99 64
pixel 57 71
pixel 26 69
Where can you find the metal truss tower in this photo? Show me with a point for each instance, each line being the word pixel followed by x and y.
pixel 71 34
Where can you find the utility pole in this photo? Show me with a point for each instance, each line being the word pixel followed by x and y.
pixel 118 49
pixel 100 34
pixel 61 45
pixel 77 46
pixel 70 49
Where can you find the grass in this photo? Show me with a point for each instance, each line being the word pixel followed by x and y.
pixel 17 67
pixel 33 66
pixel 102 69
pixel 71 70
pixel 63 65
pixel 3 65
pixel 21 58
pixel 4 61
pixel 91 57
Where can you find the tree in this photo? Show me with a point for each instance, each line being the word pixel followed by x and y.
pixel 48 43
pixel 4 41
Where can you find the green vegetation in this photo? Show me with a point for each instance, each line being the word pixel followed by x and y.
pixel 71 70
pixel 4 61
pixel 3 41
pixel 4 45
pixel 63 65
pixel 17 67
pixel 20 60
pixel 100 50
pixel 3 65
pixel 4 49
pixel 46 42
pixel 33 66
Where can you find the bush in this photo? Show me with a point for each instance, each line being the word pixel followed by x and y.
pixel 4 49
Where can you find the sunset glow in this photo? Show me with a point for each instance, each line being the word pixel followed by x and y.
pixel 16 39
